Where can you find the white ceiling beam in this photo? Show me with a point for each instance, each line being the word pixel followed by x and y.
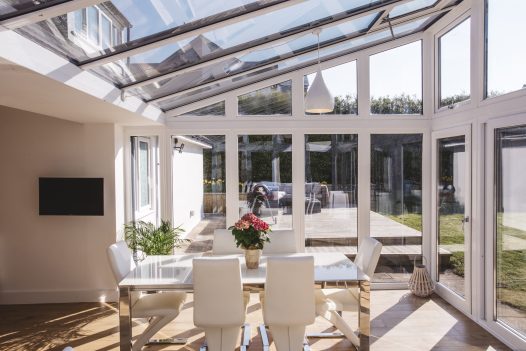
pixel 46 13
pixel 189 34
pixel 400 20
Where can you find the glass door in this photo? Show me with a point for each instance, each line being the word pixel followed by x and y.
pixel 452 213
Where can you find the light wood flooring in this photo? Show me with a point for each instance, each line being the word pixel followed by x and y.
pixel 400 321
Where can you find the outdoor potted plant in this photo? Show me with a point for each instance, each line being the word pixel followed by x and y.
pixel 149 239
pixel 251 233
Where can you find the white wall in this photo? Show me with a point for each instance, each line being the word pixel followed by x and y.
pixel 188 186
pixel 55 258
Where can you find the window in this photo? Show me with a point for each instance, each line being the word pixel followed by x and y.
pixel 506 49
pixel 81 21
pixel 144 177
pixel 217 109
pixel 454 67
pixel 510 219
pixel 331 191
pixel 93 25
pixel 144 173
pixel 265 178
pixel 396 80
pixel 273 100
pixel 396 203
pixel 106 32
pixel 342 83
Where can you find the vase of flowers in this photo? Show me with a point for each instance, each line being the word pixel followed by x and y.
pixel 251 233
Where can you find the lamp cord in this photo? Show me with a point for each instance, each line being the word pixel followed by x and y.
pixel 319 66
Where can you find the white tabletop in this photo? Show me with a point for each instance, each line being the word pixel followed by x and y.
pixel 175 271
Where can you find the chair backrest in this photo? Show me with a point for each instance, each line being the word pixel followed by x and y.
pixel 218 292
pixel 368 256
pixel 281 242
pixel 121 260
pixel 224 243
pixel 289 291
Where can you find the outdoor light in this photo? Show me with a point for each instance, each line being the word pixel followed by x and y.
pixel 319 99
pixel 180 147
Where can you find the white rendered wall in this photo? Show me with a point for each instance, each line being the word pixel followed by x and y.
pixel 188 186
pixel 54 258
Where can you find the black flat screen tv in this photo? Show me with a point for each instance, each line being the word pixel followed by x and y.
pixel 71 196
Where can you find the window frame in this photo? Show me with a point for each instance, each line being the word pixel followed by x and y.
pixel 437 85
pixel 422 92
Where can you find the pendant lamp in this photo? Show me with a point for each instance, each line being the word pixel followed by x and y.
pixel 319 99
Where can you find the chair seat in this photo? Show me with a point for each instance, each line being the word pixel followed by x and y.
pixel 160 304
pixel 338 299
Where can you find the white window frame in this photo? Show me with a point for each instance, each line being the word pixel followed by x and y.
pixel 501 330
pixel 437 96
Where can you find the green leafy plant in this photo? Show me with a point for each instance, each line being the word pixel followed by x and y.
pixel 152 240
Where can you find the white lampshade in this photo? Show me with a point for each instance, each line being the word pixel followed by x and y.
pixel 319 99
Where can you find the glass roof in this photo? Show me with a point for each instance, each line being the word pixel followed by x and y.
pixel 293 63
pixel 157 48
pixel 411 6
pixel 10 8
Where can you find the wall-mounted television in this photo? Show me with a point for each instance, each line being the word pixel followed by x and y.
pixel 71 196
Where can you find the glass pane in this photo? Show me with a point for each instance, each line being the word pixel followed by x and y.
pixel 199 188
pixel 11 7
pixel 331 185
pixel 411 6
pixel 342 83
pixel 106 32
pixel 455 59
pixel 144 174
pixel 288 65
pixel 171 57
pixel 217 109
pixel 511 227
pixel 451 194
pixel 396 80
pixel 80 22
pixel 265 178
pixel 93 25
pixel 506 48
pixel 396 203
pixel 273 100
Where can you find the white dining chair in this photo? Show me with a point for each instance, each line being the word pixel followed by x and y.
pixel 289 301
pixel 330 303
pixel 219 302
pixel 281 242
pixel 224 243
pixel 159 308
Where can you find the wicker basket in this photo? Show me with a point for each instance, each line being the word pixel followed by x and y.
pixel 420 282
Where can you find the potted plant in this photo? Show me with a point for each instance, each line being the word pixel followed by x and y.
pixel 151 240
pixel 251 233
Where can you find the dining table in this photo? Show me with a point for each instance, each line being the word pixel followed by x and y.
pixel 174 272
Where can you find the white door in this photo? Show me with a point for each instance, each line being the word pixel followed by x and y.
pixel 452 216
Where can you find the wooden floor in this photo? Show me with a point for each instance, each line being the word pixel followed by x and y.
pixel 400 321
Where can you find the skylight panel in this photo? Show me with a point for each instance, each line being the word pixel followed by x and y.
pixel 411 6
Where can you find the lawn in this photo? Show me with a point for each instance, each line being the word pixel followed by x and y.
pixel 511 275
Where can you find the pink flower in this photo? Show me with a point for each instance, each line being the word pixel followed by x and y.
pixel 260 225
pixel 241 225
pixel 249 217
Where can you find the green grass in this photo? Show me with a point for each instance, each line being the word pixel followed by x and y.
pixel 512 264
pixel 412 220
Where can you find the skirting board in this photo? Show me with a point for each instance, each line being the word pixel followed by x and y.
pixel 33 297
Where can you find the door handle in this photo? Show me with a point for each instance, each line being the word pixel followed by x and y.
pixel 464 220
